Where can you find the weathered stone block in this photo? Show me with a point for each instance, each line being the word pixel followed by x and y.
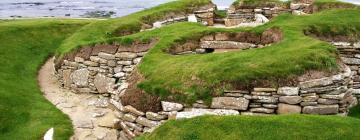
pixel 79 59
pixel 129 118
pixel 221 37
pixel 308 103
pixel 328 101
pixel 95 59
pixel 66 75
pixel 133 110
pixel 200 112
pixel 265 89
pixel 225 45
pixel 262 110
pixel 145 122
pixel 310 98
pixel 351 61
pixel 230 103
pixel 118 69
pixel 169 106
pixel 137 60
pixel 261 93
pixel 102 83
pixel 106 56
pixel 127 63
pixel 288 109
pixel 126 55
pixel 315 83
pixel 265 99
pixel 321 109
pixel 288 91
pixel 111 63
pixel 80 77
pixel 271 106
pixel 91 64
pixel 155 116
pixel 290 99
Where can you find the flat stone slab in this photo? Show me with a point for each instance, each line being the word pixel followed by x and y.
pixel 230 103
pixel 194 112
pixel 225 45
pixel 321 109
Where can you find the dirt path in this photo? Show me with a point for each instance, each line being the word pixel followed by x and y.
pixel 90 115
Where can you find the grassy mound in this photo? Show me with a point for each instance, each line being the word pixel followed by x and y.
pixel 25 45
pixel 259 128
pixel 192 77
pixel 102 30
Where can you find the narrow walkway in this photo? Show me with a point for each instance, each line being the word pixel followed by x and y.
pixel 90 115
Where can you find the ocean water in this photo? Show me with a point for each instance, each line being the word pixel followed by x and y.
pixel 77 8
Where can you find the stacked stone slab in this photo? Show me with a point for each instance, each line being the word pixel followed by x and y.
pixel 223 42
pixel 103 69
pixel 300 8
pixel 350 55
pixel 100 70
pixel 329 95
pixel 204 15
pixel 241 14
pixel 207 16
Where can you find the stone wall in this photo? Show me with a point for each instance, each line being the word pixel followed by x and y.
pixel 238 14
pixel 104 69
pixel 100 69
pixel 326 96
pixel 350 55
pixel 204 15
pixel 223 42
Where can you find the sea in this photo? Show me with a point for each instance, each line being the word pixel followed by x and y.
pixel 80 8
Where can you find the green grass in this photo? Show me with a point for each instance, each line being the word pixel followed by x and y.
pixel 355 111
pixel 25 45
pixel 102 30
pixel 166 74
pixel 281 127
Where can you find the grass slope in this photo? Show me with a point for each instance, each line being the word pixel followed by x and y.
pixel 167 74
pixel 282 127
pixel 102 30
pixel 24 113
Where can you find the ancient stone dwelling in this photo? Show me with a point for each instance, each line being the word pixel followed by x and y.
pixel 105 70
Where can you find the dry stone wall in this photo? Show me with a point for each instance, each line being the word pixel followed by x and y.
pixel 104 70
pixel 350 55
pixel 326 96
pixel 224 42
pixel 204 15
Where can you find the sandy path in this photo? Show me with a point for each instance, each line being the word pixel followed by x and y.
pixel 91 118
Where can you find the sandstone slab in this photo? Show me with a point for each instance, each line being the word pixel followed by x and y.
pixel 80 77
pixel 194 112
pixel 230 103
pixel 321 109
pixel 102 83
pixel 288 91
pixel 290 99
pixel 145 122
pixel 169 106
pixel 288 109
